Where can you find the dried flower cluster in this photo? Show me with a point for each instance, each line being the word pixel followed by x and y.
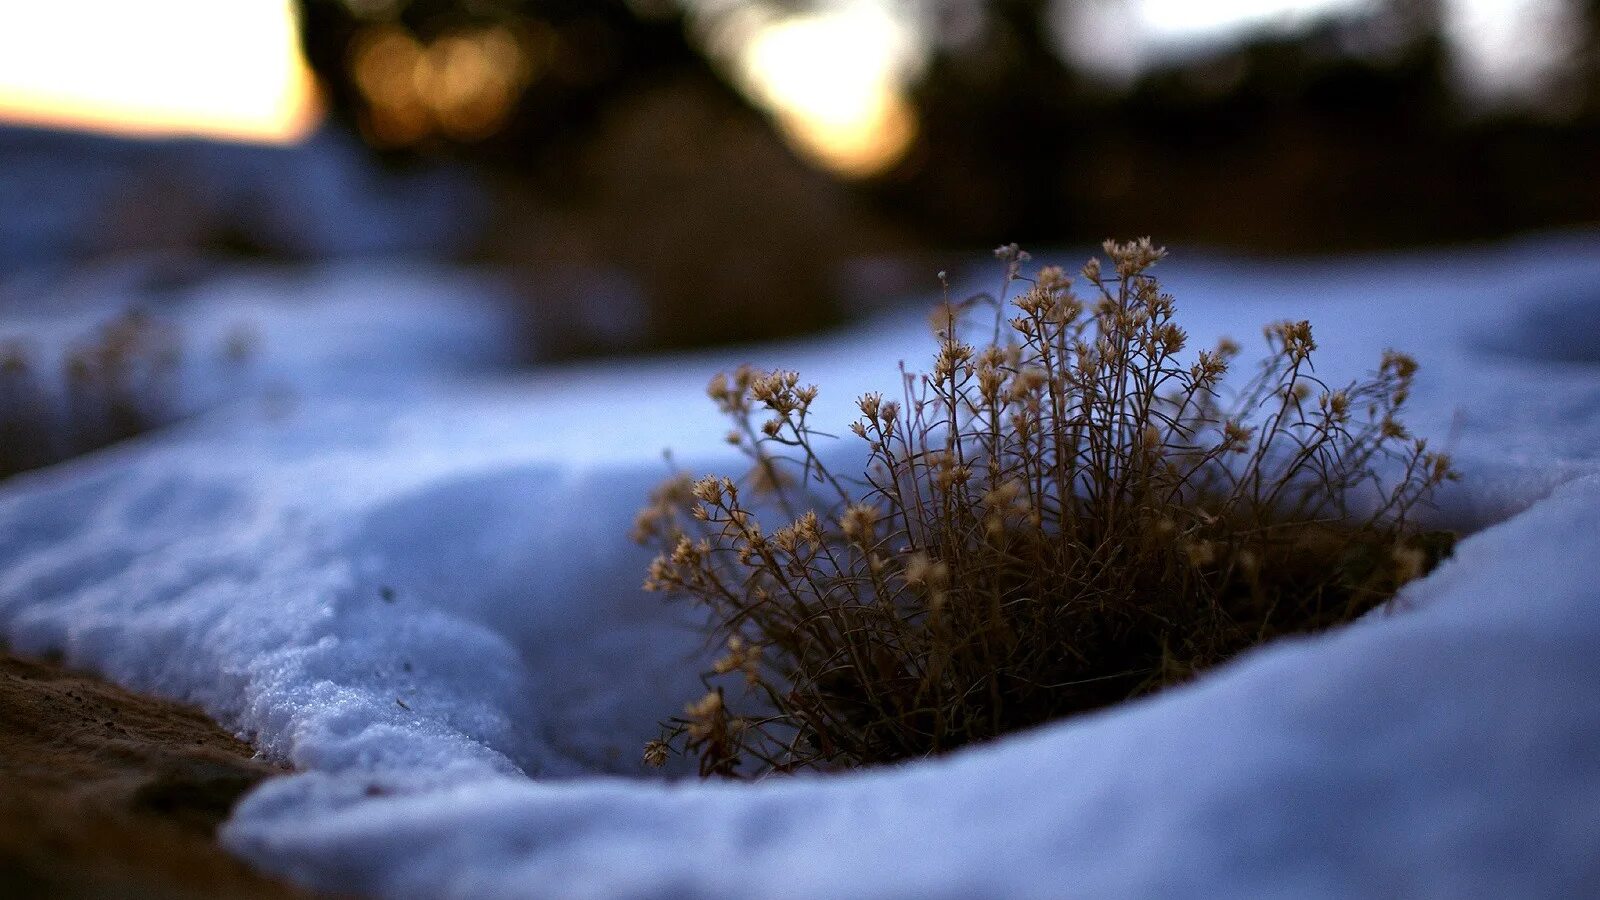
pixel 1068 514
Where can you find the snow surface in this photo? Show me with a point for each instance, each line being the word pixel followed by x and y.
pixel 245 330
pixel 69 195
pixel 424 596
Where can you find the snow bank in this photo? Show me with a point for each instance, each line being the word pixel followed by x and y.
pixel 250 331
pixel 421 598
pixel 69 195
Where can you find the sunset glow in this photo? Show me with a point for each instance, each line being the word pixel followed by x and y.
pixel 835 83
pixel 229 70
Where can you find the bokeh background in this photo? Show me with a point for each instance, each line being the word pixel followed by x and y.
pixel 634 175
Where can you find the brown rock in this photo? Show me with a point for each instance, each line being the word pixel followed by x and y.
pixel 104 793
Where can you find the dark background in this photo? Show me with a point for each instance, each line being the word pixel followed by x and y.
pixel 599 149
pixel 632 150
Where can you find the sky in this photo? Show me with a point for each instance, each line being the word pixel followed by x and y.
pixel 228 69
pixel 1505 47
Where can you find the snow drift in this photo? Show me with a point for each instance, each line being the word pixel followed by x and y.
pixel 424 599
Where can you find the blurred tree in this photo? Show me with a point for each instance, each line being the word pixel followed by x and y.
pixel 614 146
pixel 1586 66
pixel 509 78
pixel 1351 132
pixel 999 113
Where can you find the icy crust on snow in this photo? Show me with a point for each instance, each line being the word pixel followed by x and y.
pixel 420 599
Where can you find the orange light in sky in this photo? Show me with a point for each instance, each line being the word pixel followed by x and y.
pixel 835 83
pixel 226 69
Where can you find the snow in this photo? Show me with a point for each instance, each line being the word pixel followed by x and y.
pixel 67 195
pixel 420 594
pixel 243 330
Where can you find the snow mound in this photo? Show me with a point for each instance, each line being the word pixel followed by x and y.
pixel 423 597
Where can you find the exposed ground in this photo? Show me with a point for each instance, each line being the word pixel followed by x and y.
pixel 104 793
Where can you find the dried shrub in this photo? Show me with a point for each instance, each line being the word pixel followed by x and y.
pixel 118 382
pixel 1068 514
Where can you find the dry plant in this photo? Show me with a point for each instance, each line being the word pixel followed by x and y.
pixel 117 383
pixel 1069 513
